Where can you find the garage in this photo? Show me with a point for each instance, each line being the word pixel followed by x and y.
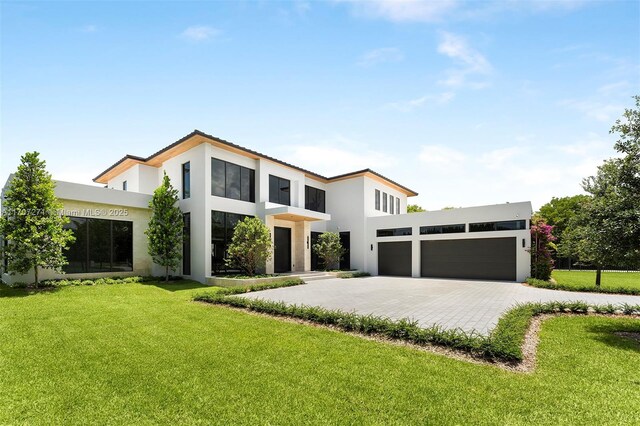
pixel 481 258
pixel 394 258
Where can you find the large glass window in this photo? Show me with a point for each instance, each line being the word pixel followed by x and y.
pixel 279 190
pixel 232 181
pixel 384 202
pixel 186 244
pixel 394 232
pixel 377 199
pixel 391 204
pixel 222 226
pixel 442 229
pixel 505 225
pixel 397 205
pixel 100 246
pixel 314 199
pixel 186 180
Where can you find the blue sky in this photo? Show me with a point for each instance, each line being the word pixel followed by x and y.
pixel 467 103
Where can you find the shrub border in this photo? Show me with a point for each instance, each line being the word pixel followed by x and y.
pixel 583 288
pixel 503 344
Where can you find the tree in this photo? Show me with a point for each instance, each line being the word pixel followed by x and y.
pixel 559 211
pixel 31 222
pixel 541 246
pixel 414 208
pixel 607 230
pixel 329 249
pixel 165 227
pixel 250 246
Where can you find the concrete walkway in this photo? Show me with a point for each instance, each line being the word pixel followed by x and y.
pixel 469 305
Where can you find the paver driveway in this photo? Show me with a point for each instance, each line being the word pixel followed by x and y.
pixel 469 305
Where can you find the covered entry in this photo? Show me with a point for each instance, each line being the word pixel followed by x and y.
pixel 394 258
pixel 282 250
pixel 480 258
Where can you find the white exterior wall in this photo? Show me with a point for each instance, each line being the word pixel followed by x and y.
pixel 499 212
pixel 131 176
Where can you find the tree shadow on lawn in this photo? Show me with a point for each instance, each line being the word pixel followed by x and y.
pixel 6 291
pixel 179 285
pixel 622 336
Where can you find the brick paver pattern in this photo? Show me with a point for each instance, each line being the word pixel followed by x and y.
pixel 468 305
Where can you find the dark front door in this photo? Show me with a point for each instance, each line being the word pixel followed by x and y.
pixel 315 260
pixel 282 250
pixel 394 258
pixel 345 240
pixel 480 259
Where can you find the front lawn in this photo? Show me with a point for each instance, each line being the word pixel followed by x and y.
pixel 610 280
pixel 136 354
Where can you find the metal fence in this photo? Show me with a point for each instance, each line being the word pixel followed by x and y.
pixel 568 264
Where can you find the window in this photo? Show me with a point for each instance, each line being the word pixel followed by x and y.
pixel 124 185
pixel 391 204
pixel 314 199
pixel 232 181
pixel 186 244
pixel 279 190
pixel 442 229
pixel 397 205
pixel 101 245
pixel 506 225
pixel 222 226
pixel 186 180
pixel 384 202
pixel 377 199
pixel 393 232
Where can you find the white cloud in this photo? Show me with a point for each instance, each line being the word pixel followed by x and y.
pixel 596 110
pixel 410 105
pixel 200 33
pixel 469 62
pixel 90 28
pixel 377 56
pixel 441 156
pixel 335 155
pixel 403 10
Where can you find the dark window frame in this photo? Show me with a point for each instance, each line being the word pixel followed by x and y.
pixel 315 199
pixel 124 185
pixel 186 180
pixel 242 186
pixel 397 205
pixel 277 194
pixel 385 208
pixel 502 225
pixel 377 200
pixel 222 240
pixel 456 228
pixel 394 232
pixel 392 202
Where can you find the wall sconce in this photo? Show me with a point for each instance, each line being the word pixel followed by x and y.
pixel 371 247
pixel 307 242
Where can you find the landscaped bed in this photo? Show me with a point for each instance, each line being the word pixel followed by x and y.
pixel 612 282
pixel 144 353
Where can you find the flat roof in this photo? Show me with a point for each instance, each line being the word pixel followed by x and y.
pixel 197 137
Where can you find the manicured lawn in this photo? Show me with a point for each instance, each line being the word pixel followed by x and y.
pixel 140 354
pixel 579 279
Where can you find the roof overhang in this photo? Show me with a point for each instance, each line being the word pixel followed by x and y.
pixel 293 214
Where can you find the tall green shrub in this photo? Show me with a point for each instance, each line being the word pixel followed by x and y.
pixel 250 246
pixel 329 249
pixel 541 247
pixel 165 227
pixel 31 222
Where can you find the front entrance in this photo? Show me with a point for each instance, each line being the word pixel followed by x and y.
pixel 315 259
pixel 282 250
pixel 345 240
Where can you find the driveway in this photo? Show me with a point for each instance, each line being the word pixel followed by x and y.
pixel 469 305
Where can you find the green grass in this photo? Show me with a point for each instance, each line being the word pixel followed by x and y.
pixel 143 354
pixel 612 282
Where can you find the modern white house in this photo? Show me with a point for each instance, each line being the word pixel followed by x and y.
pixel 219 183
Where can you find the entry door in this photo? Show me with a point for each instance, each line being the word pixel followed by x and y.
pixel 315 259
pixel 345 240
pixel 282 250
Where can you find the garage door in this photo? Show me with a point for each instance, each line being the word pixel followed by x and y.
pixel 483 258
pixel 394 258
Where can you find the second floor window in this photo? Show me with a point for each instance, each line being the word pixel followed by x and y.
pixel 186 180
pixel 391 204
pixel 124 185
pixel 279 190
pixel 232 181
pixel 377 199
pixel 384 202
pixel 314 199
pixel 397 205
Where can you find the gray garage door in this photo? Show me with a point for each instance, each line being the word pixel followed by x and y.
pixel 483 258
pixel 394 258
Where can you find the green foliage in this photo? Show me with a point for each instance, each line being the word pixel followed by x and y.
pixel 32 222
pixel 329 249
pixel 165 227
pixel 582 288
pixel 559 211
pixel 250 246
pixel 414 208
pixel 504 343
pixel 76 282
pixel 356 274
pixel 541 246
